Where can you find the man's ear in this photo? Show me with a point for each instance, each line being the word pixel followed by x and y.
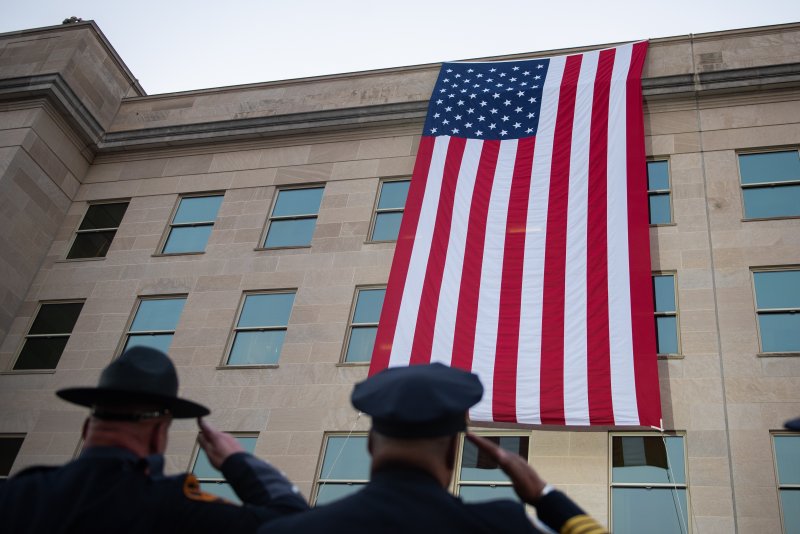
pixel 85 428
pixel 159 437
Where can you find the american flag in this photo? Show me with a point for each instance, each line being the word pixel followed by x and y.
pixel 523 254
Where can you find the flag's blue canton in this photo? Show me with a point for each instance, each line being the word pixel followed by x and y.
pixel 487 100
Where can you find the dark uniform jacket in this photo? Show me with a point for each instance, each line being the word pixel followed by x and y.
pixel 401 499
pixel 111 490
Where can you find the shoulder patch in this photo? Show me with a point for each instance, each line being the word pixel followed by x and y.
pixel 191 490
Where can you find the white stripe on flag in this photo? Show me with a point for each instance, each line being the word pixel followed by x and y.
pixel 412 292
pixel 491 278
pixel 623 382
pixel 447 309
pixel 530 331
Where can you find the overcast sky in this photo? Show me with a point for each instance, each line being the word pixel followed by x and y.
pixel 178 45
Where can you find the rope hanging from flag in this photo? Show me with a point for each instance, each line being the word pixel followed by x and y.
pixel 523 254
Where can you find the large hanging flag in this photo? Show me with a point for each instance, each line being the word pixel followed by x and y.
pixel 523 254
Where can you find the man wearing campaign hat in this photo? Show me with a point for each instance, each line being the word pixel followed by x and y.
pixel 417 413
pixel 117 484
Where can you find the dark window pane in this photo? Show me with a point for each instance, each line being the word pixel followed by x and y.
pixel 645 459
pixel 91 245
pixel 651 510
pixel 777 289
pixel 667 332
pixel 56 318
pixel 659 209
pixel 41 353
pixel 197 209
pixel 156 341
pixel 787 454
pixel 368 307
pixel 770 167
pixel 272 309
pixel 158 314
pixel 9 448
pixel 477 465
pixel 298 202
pixel 187 239
pixel 664 293
pixel 346 458
pixel 790 504
pixel 393 195
pixel 486 493
pixel 657 175
pixel 333 492
pixel 772 201
pixel 780 332
pixel 257 348
pixel 103 216
pixel 387 226
pixel 362 341
pixel 295 233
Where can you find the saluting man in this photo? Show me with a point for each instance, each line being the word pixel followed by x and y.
pixel 117 484
pixel 417 413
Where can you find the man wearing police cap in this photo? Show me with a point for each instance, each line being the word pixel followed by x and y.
pixel 417 413
pixel 117 484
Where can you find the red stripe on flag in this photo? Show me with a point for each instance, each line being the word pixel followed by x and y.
pixel 467 314
pixel 598 346
pixel 552 368
pixel 432 285
pixel 504 398
pixel 644 342
pixel 402 256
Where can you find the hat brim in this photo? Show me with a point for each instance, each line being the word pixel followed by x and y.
pixel 793 424
pixel 179 408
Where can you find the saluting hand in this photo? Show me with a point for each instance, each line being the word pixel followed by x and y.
pixel 217 444
pixel 527 482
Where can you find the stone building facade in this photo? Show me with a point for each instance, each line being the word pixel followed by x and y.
pixel 87 160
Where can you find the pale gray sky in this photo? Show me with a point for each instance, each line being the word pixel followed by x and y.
pixel 177 45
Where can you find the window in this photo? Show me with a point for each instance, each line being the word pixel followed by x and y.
pixel 778 310
pixel 261 328
pixel 389 210
pixel 211 480
pixel 9 448
pixel 479 478
pixel 787 467
pixel 658 192
pixel 363 324
pixel 48 335
pixel 666 313
pixel 97 230
pixel 770 184
pixel 294 217
pixel 648 484
pixel 345 467
pixel 155 322
pixel 192 224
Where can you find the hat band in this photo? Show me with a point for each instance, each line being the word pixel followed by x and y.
pixel 134 417
pixel 445 426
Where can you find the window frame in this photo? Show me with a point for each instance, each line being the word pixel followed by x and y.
pixel 778 485
pixel 457 483
pixel 676 314
pixel 77 230
pixel 13 435
pixel 270 218
pixel 235 329
pixel 318 480
pixel 774 268
pixel 376 211
pixel 27 335
pixel 648 485
pixel 661 192
pixel 139 299
pixel 168 231
pixel 221 480
pixel 351 324
pixel 763 185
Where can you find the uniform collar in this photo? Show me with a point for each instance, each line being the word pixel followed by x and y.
pixel 154 463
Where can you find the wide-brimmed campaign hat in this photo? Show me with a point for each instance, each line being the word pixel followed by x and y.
pixel 793 424
pixel 141 376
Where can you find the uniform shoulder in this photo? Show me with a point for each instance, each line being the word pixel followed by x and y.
pixel 34 470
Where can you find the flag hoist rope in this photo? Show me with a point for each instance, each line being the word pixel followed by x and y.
pixel 324 478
